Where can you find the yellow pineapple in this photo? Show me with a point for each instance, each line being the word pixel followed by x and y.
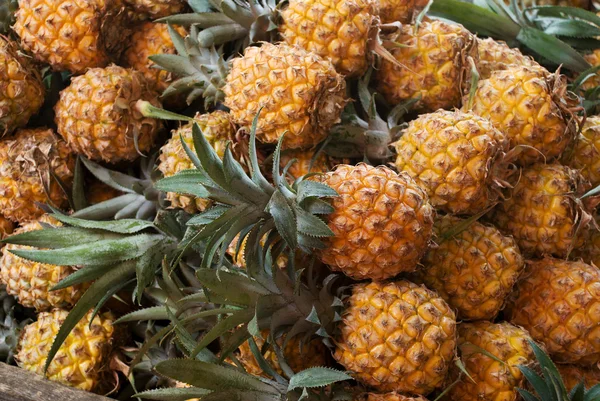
pixel 491 378
pixel 593 81
pixel 154 9
pixel 304 163
pixel 434 65
pixel 397 336
pixel 81 361
pixel 558 302
pixel 572 375
pixel 585 153
pixel 218 129
pixel 543 212
pixel 97 116
pixel 382 222
pixel 22 91
pixel 474 270
pixel 496 55
pixel 526 103
pixel 31 282
pixel 454 157
pixel 26 162
pixel 300 94
pixel 404 11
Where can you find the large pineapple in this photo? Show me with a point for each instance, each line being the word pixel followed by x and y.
pixel 30 162
pixel 154 9
pixel 572 375
pixel 218 129
pixel 81 361
pixel 492 354
pixel 526 104
pixel 496 55
pixel 558 302
pixel 21 88
pixel 300 94
pixel 434 65
pixel 97 116
pixel 397 336
pixel 455 157
pixel 544 213
pixel 382 222
pixel 474 269
pixel 71 35
pixel 585 153
pixel 31 282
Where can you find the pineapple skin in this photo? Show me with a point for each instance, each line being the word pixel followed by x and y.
pixel 451 155
pixel 30 282
pixel 80 360
pixel 474 271
pixel 25 162
pixel 572 375
pixel 382 222
pixel 97 116
pixel 397 336
pixel 495 55
pixel 594 59
pixel 153 9
pixel 301 166
pixel 218 129
pixel 21 88
pixel 404 11
pixel 6 227
pixel 519 101
pixel 542 213
pixel 392 396
pixel 434 66
pixel 558 302
pixel 337 31
pixel 584 155
pixel 494 380
pixel 300 93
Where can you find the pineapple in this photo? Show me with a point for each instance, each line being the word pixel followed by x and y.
pixel 305 162
pixel 526 104
pixel 494 376
pixel 404 11
pixel 585 153
pixel 30 162
pixel 71 35
pixel 393 396
pixel 453 156
pixel 81 361
pixel 474 270
pixel 218 129
pixel 593 81
pixel 300 94
pixel 496 55
pixel 154 9
pixel 397 336
pixel 434 65
pixel 558 302
pixel 589 252
pixel 6 227
pixel 572 375
pixel 31 282
pixel 544 212
pixel 382 222
pixel 22 92
pixel 97 116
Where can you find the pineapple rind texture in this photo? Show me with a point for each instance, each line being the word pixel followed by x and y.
pixel 434 66
pixel 594 59
pixel 382 222
pixel 572 375
pixel 490 379
pixel 300 94
pixel 80 360
pixel 496 55
pixel 397 336
pixel 154 9
pixel 474 270
pixel 302 165
pixel 452 155
pixel 98 118
pixel 558 302
pixel 404 11
pixel 585 152
pixel 25 163
pixel 392 396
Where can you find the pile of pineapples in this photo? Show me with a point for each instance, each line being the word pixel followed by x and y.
pixel 302 200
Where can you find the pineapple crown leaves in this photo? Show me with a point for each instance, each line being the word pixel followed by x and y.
pixel 550 33
pixel 7 15
pixel 549 386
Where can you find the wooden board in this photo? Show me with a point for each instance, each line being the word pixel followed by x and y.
pixel 19 385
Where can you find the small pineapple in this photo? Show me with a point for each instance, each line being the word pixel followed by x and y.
pixel 434 65
pixel 572 375
pixel 397 336
pixel 382 222
pixel 496 55
pixel 300 94
pixel 21 88
pixel 30 161
pixel 474 270
pixel 97 116
pixel 218 129
pixel 525 103
pixel 454 157
pixel 585 153
pixel 153 9
pixel 81 361
pixel 31 282
pixel 495 377
pixel 558 302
